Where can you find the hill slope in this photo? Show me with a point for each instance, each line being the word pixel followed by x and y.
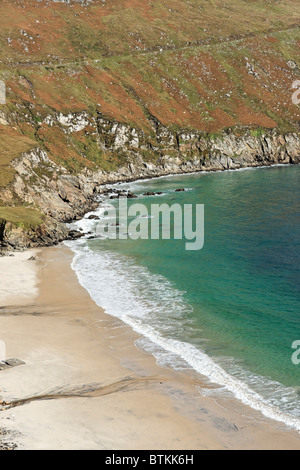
pixel 110 90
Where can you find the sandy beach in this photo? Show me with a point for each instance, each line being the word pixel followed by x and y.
pixel 85 384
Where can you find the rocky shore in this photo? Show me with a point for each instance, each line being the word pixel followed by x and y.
pixel 62 196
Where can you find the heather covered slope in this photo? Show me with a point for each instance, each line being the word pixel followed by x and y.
pixel 200 64
pixel 99 86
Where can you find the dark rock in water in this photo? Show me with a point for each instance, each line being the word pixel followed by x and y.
pixel 105 191
pixel 179 190
pixel 119 194
pixel 96 237
pixel 33 258
pixel 74 234
pixel 93 217
pixel 130 195
pixel 151 193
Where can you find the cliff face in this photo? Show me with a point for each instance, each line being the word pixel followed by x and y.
pixel 63 196
pixel 101 91
pixel 14 237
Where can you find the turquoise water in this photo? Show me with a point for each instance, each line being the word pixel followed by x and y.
pixel 231 311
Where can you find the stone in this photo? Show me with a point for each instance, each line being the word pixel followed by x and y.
pixel 8 363
pixel 14 362
pixel 130 195
pixel 74 235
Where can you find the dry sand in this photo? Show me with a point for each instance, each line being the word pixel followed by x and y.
pixel 18 279
pixel 87 386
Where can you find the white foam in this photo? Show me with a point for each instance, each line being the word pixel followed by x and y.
pixel 156 310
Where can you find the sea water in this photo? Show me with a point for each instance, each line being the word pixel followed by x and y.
pixel 230 311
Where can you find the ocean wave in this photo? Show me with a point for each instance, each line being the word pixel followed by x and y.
pixel 155 309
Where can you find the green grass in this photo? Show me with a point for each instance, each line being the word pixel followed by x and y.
pixel 25 217
pixel 11 146
pixel 203 84
pixel 258 133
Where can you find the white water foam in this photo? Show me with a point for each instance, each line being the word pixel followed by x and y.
pixel 142 183
pixel 157 311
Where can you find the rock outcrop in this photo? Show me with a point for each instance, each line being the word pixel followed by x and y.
pixel 49 233
pixel 63 196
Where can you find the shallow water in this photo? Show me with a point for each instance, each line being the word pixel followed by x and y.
pixel 231 311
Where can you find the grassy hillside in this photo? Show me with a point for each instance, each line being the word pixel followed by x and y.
pixel 39 30
pixel 12 144
pixel 203 65
pixel 21 216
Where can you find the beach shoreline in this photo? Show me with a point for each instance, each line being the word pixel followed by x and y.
pixel 89 387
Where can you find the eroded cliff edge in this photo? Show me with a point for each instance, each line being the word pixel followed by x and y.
pixel 97 92
pixel 59 195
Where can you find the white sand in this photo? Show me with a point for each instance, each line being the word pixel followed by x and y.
pixel 18 279
pixel 67 342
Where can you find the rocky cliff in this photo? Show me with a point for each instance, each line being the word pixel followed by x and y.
pixel 95 92
pixel 63 196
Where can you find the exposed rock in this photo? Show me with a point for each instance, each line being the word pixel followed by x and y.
pixel 8 363
pixel 151 193
pixel 15 238
pixel 95 237
pixel 64 197
pixel 14 362
pixel 130 195
pixel 3 120
pixel 74 235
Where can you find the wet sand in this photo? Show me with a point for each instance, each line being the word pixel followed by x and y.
pixel 85 384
